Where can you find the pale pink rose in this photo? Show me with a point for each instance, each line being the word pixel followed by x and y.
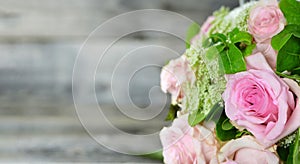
pixel 266 49
pixel 293 121
pixel 183 144
pixel 265 20
pixel 207 25
pixel 229 162
pixel 260 101
pixel 246 150
pixel 173 75
pixel 203 30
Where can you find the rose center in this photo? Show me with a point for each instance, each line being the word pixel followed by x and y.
pixel 257 102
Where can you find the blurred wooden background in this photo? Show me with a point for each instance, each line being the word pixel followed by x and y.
pixel 39 41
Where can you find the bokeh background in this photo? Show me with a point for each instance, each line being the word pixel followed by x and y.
pixel 39 42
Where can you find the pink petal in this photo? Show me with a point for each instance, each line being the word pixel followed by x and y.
pixel 257 61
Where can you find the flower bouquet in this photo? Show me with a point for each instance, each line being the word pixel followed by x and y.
pixel 235 91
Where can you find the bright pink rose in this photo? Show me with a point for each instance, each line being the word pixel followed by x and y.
pixel 204 29
pixel 260 101
pixel 246 150
pixel 266 49
pixel 174 74
pixel 266 20
pixel 183 144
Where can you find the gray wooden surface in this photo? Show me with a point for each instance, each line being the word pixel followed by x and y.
pixel 39 42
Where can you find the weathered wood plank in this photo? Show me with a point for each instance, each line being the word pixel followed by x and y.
pixel 34 75
pixel 60 148
pixel 70 124
pixel 62 139
pixel 39 41
pixel 70 18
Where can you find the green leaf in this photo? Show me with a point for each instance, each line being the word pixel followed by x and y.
pixel 196 117
pixel 294 77
pixel 192 31
pixel 213 52
pixel 289 55
pixel 226 125
pixel 296 72
pixel 294 152
pixel 241 133
pixel 155 155
pixel 230 50
pixel 218 38
pixel 232 33
pixel 283 152
pixel 223 134
pixel 172 112
pixel 215 113
pixel 248 50
pixel 287 43
pixel 281 39
pixel 243 37
pixel 291 10
pixel 242 40
pixel 233 60
pixel 207 43
pixel 237 36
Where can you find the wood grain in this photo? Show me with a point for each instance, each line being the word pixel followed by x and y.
pixel 39 42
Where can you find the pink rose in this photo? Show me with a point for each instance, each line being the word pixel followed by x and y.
pixel 207 24
pixel 293 122
pixel 204 29
pixel 174 74
pixel 183 144
pixel 260 101
pixel 246 150
pixel 265 20
pixel 266 49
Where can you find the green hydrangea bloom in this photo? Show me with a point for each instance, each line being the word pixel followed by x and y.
pixel 209 85
pixel 288 140
pixel 226 21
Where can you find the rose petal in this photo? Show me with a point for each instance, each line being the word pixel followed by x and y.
pixel 258 62
pixel 185 144
pixel 247 145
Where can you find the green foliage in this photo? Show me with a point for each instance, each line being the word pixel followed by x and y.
pixel 240 36
pixel 172 112
pixel 197 107
pixel 192 31
pixel 226 125
pixel 289 56
pixel 195 117
pixel 226 20
pixel 241 133
pixel 288 148
pixel 281 39
pixel 294 77
pixel 218 23
pixel 224 129
pixel 231 49
pixel 215 113
pixel 233 60
pixel 294 151
pixel 283 152
pixel 287 43
pixel 291 10
pixel 207 90
pixel 155 155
